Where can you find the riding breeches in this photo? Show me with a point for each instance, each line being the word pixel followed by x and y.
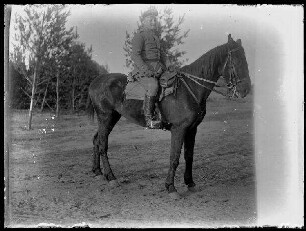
pixel 150 84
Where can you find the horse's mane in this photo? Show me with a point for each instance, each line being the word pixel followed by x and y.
pixel 204 66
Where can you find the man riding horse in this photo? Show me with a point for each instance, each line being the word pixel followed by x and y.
pixel 150 62
pixel 183 111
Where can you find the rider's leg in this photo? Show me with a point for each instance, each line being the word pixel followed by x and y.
pixel 151 87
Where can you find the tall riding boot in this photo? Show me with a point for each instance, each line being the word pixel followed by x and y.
pixel 149 107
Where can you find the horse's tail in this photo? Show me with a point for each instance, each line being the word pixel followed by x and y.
pixel 90 108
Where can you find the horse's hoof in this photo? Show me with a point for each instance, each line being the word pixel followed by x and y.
pixel 174 196
pixel 113 183
pixel 97 172
pixel 98 177
pixel 193 189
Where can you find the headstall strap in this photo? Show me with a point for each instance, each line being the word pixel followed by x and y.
pixel 233 76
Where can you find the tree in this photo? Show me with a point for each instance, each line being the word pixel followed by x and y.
pixel 61 41
pixel 40 36
pixel 18 95
pixel 78 71
pixel 168 31
pixel 79 59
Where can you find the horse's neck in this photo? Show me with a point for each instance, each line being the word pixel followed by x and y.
pixel 211 71
pixel 217 66
pixel 219 63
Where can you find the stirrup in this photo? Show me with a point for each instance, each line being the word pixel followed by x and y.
pixel 153 124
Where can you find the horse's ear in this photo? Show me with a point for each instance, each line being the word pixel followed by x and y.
pixel 238 42
pixel 229 38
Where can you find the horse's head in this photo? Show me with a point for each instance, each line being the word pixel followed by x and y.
pixel 235 69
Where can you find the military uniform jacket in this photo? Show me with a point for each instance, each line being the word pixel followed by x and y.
pixel 147 52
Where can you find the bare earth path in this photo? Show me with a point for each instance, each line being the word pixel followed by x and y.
pixel 51 180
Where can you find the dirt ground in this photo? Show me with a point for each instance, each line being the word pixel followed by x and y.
pixel 51 183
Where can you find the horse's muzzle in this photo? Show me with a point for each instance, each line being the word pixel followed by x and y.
pixel 243 88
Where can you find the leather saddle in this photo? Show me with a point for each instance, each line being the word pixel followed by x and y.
pixel 167 81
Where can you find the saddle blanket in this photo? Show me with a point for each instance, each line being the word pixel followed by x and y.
pixel 135 90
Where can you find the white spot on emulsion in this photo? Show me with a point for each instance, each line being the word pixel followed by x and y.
pixel 52 129
pixel 225 121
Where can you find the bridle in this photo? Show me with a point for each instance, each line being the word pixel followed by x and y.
pixel 231 85
pixel 233 76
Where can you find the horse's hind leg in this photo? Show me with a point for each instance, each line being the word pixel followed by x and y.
pixel 189 141
pixel 96 156
pixel 106 123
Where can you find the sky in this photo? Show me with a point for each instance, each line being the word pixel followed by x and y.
pixel 272 37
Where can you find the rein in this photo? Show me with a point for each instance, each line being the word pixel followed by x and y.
pixel 231 86
pixel 195 78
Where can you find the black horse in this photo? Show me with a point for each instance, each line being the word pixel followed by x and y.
pixel 183 111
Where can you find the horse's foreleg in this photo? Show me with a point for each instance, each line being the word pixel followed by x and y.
pixel 100 151
pixel 177 138
pixel 189 141
pixel 106 124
